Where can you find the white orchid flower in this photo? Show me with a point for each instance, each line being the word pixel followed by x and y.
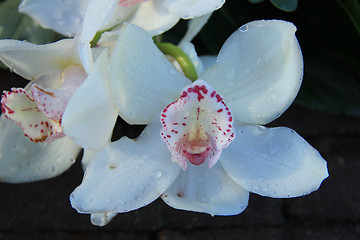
pixel 87 17
pixel 256 77
pixel 55 72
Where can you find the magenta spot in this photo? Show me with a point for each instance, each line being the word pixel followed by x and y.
pixel 184 94
pixel 184 124
pixel 168 136
pixel 220 110
pixel 163 115
pixel 213 94
pixel 218 97
pixel 175 123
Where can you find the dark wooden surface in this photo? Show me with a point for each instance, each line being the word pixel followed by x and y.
pixel 41 210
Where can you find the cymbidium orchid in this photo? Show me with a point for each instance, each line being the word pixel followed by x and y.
pixel 36 147
pixel 209 149
pixel 87 17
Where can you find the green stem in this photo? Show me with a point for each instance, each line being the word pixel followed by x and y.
pixel 97 36
pixel 352 9
pixel 184 61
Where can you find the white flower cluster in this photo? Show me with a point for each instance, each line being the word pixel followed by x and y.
pixel 204 148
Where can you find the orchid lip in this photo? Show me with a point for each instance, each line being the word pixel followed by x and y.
pixel 197 126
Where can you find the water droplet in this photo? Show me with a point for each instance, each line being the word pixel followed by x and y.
pixel 229 83
pixel 57 15
pixel 172 71
pixel 259 129
pixel 244 28
pixel 156 174
pixel 273 147
pixel 259 60
pixel 230 74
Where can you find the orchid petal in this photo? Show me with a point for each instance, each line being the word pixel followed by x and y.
pixel 64 17
pixel 53 102
pixel 126 175
pixel 142 79
pixel 98 12
pixel 187 9
pixel 273 162
pixel 154 17
pixel 103 14
pixel 194 27
pixel 258 71
pixel 90 114
pixel 189 49
pixel 206 190
pixel 31 61
pixel 207 61
pixel 20 108
pixel 198 126
pixel 24 161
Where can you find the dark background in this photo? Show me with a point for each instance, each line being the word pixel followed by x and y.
pixel 325 114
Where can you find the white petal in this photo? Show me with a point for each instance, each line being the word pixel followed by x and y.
pixel 153 17
pixel 212 191
pixel 90 114
pixel 126 175
pixel 98 12
pixel 274 162
pixel 189 49
pixel 87 157
pixel 194 27
pixel 187 9
pixel 142 79
pixel 207 60
pixel 258 70
pixel 31 61
pixel 65 17
pixel 24 161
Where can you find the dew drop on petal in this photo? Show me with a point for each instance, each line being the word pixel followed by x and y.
pixel 273 148
pixel 172 71
pixel 244 28
pixel 230 74
pixel 156 174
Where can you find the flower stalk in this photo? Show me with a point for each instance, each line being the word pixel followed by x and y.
pixel 185 62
